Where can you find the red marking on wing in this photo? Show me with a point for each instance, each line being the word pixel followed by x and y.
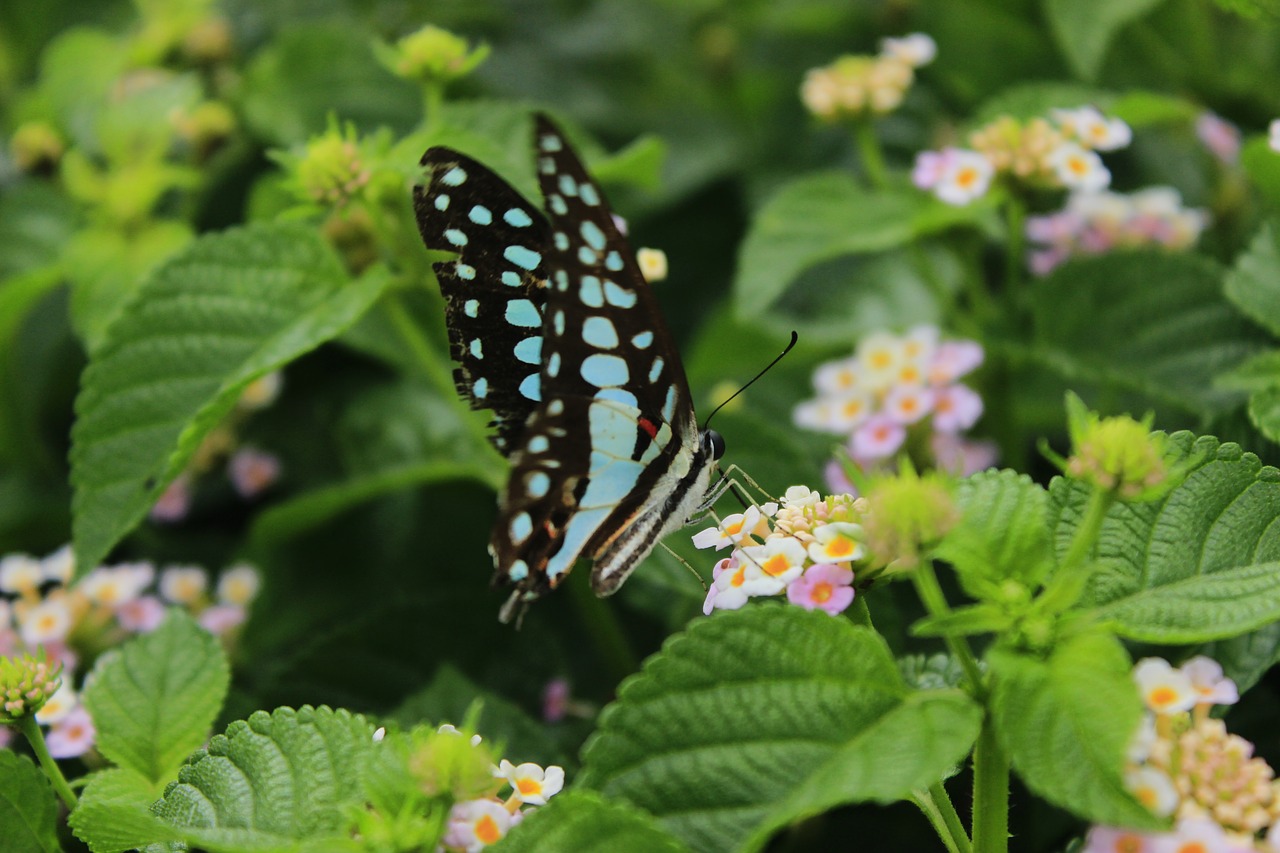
pixel 650 428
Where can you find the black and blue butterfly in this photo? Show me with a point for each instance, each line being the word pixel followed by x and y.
pixel 555 330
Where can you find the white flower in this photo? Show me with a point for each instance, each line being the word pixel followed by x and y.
pixel 738 580
pixel 1164 689
pixel 183 584
pixel 46 622
pixel 1196 835
pixel 60 704
pixel 238 584
pixel 72 736
pixel 916 50
pixel 531 783
pixel 1153 789
pixel 1210 685
pixel 475 824
pixel 450 729
pixel 1273 134
pixel 59 566
pixel 20 573
pixel 1093 129
pixel 966 176
pixel 880 357
pixel 781 558
pixel 907 404
pixel 799 496
pixel 652 263
pixel 1078 168
pixel 836 377
pixel 836 542
pixel 115 586
pixel 839 415
pixel 732 530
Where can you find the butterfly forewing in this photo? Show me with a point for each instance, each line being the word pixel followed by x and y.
pixel 495 292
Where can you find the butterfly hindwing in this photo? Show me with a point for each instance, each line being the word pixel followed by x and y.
pixel 495 291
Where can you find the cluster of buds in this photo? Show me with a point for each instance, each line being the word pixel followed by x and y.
pixel 1094 223
pixel 900 392
pixel 481 816
pixel 806 548
pixel 42 612
pixel 1183 764
pixel 432 56
pixel 1118 454
pixel 250 469
pixel 854 86
pixel 1058 152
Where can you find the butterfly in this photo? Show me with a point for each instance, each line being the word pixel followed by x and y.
pixel 554 328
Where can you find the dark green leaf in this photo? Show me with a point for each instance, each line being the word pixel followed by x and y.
pixel 1264 412
pixel 114 814
pixel 1084 28
pixel 1253 284
pixel 28 807
pixel 585 822
pixel 1263 166
pixel 154 698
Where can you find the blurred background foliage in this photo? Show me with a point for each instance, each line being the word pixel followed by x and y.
pixel 372 548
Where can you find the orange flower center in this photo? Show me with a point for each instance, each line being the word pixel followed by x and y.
pixel 735 528
pixel 739 577
pixel 880 359
pixel 839 547
pixel 1129 844
pixel 529 786
pixel 776 565
pixel 1162 696
pixel 822 592
pixel 487 830
pixel 966 177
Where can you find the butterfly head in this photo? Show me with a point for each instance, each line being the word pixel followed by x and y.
pixel 712 445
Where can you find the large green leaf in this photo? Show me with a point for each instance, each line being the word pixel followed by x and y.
pixel 1150 322
pixel 1084 28
pixel 1066 722
pixel 758 718
pixel 280 781
pixel 1253 284
pixel 1196 565
pixel 114 813
pixel 28 808
pixel 824 216
pixel 585 822
pixel 227 310
pixel 153 699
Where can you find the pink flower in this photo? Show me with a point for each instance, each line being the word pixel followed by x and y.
pixel 141 615
pixel 908 404
pixel 221 618
pixel 929 168
pixel 953 359
pixel 174 502
pixel 1109 839
pixel 838 481
pixel 1220 136
pixel 555 700
pixel 878 437
pixel 961 456
pixel 475 824
pixel 72 736
pixel 824 586
pixel 955 408
pixel 252 471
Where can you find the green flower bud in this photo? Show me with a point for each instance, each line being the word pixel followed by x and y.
pixel 453 763
pixel 433 55
pixel 26 683
pixel 332 171
pixel 906 515
pixel 1117 454
pixel 36 146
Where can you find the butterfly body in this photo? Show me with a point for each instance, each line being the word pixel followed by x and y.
pixel 556 331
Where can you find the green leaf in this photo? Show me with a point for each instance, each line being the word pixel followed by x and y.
pixel 1255 374
pixel 28 807
pixel 1253 285
pixel 824 216
pixel 1002 533
pixel 964 621
pixel 1025 101
pixel 1264 412
pixel 1084 28
pixel 1141 108
pixel 1262 164
pixel 278 781
pixel 35 222
pixel 154 698
pixel 227 310
pixel 585 822
pixel 1150 322
pixel 1196 565
pixel 1066 722
pixel 756 718
pixel 114 814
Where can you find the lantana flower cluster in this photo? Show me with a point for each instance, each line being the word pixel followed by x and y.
pixel 1098 222
pixel 250 469
pixel 476 823
pixel 1043 153
pixel 807 548
pixel 899 392
pixel 853 86
pixel 1184 764
pixel 41 612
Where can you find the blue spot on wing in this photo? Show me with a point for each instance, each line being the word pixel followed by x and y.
pixel 522 257
pixel 522 312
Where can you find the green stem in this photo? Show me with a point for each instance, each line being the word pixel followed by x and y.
pixel 1089 529
pixel 607 636
pixel 864 135
pixel 990 792
pixel 1015 211
pixel 930 592
pixel 859 613
pixel 417 344
pixel 31 729
pixel 941 814
pixel 433 100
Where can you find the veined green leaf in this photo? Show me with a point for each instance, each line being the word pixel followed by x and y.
pixel 1085 28
pixel 1253 284
pixel 114 814
pixel 28 808
pixel 585 822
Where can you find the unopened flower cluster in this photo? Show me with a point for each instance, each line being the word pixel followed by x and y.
pixel 1184 765
pixel 250 470
pixel 476 823
pixel 806 548
pixel 1094 223
pixel 41 612
pixel 1058 152
pixel 854 86
pixel 899 392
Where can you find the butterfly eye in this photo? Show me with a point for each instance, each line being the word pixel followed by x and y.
pixel 713 443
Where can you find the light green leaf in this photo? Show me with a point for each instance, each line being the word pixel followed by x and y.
pixel 1255 374
pixel 1253 285
pixel 1262 164
pixel 1150 322
pixel 1208 607
pixel 964 621
pixel 585 822
pixel 114 814
pixel 1141 108
pixel 280 781
pixel 1084 28
pixel 28 807
pixel 1025 101
pixel 1264 412
pixel 154 698
pixel 825 700
pixel 825 216
pixel 1066 722
pixel 227 310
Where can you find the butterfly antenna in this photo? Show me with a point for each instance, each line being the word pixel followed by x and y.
pixel 794 337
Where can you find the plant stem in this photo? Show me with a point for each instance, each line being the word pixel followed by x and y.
pixel 941 814
pixel 990 792
pixel 1015 211
pixel 418 344
pixel 930 592
pixel 607 636
pixel 433 99
pixel 31 730
pixel 864 135
pixel 1090 527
